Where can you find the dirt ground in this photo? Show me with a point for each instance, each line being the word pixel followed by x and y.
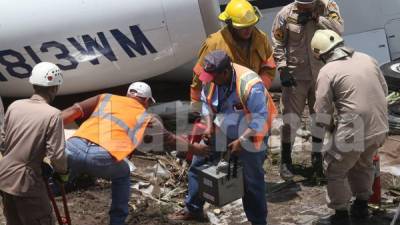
pixel 300 202
pixel 288 204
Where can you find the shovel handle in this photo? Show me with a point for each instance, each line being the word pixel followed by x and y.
pixel 61 220
pixel 53 202
pixel 65 204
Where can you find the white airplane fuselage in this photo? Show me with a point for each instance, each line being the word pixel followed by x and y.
pixel 99 43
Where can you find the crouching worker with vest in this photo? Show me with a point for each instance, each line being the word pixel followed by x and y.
pixel 238 112
pixel 114 128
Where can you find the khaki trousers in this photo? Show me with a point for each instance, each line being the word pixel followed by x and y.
pixel 351 173
pixel 294 100
pixel 27 210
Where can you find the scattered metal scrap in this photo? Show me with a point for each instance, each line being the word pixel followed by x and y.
pixel 163 179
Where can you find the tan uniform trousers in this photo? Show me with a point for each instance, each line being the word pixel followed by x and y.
pixel 27 210
pixel 294 100
pixel 352 174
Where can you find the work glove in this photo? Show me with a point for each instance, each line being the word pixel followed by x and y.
pixel 287 79
pixel 61 177
pixel 47 171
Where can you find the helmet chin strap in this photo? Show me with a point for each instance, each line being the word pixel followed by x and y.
pixel 235 36
pixel 323 59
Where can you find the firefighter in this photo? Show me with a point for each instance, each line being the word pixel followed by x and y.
pixel 33 130
pixel 351 84
pixel 292 30
pixel 115 126
pixel 245 44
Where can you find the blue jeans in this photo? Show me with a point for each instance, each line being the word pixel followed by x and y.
pixel 254 200
pixel 85 157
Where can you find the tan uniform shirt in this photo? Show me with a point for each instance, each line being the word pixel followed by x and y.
pixel 356 87
pixel 291 40
pixel 33 130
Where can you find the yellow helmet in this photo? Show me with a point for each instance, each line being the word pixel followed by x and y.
pixel 324 41
pixel 241 13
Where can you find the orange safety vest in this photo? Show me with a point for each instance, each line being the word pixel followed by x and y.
pixel 245 80
pixel 117 124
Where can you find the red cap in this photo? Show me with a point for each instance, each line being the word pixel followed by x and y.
pixel 206 77
pixel 215 62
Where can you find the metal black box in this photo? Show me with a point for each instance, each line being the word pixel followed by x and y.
pixel 218 187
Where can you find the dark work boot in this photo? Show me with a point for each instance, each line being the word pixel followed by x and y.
pixel 316 161
pixel 286 169
pixel 316 158
pixel 341 217
pixel 183 215
pixel 359 210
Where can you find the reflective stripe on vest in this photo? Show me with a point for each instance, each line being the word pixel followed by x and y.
pixel 245 80
pixel 117 125
pixel 130 131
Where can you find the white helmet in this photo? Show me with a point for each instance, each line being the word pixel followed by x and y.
pixel 324 41
pixel 140 89
pixel 46 74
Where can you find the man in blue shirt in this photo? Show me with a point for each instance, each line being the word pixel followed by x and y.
pixel 235 110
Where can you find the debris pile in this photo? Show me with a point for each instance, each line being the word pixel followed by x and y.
pixel 161 178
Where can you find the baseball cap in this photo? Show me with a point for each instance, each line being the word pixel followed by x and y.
pixel 141 89
pixel 215 62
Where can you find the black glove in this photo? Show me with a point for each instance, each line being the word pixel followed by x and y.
pixel 47 172
pixel 287 79
pixel 304 17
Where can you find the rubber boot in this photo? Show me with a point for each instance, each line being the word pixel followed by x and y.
pixel 341 217
pixel 359 209
pixel 286 162
pixel 316 158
